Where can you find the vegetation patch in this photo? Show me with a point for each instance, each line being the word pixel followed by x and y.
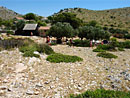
pixel 106 55
pixel 29 50
pixel 30 54
pixel 81 43
pixel 57 58
pixel 44 48
pixel 101 93
pixel 26 46
pixel 98 50
pixel 125 44
pixel 121 49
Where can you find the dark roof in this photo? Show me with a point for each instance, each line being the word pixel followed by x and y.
pixel 30 27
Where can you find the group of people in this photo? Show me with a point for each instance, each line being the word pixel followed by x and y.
pixel 59 41
pixel 95 43
pixel 71 42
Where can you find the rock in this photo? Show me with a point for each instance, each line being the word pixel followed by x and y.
pixel 5 81
pixel 2 92
pixel 30 92
pixel 127 77
pixel 9 89
pixel 79 88
pixel 20 67
pixel 39 85
pixel 36 52
pixel 36 93
pixel 3 87
pixel 128 89
pixel 57 95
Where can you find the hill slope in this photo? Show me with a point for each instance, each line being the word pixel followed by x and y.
pixel 7 14
pixel 117 18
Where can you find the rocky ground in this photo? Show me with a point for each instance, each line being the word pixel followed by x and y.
pixel 25 77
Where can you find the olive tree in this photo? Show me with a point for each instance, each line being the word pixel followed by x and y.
pixel 90 32
pixel 60 30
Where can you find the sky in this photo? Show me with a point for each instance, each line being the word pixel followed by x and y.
pixel 49 7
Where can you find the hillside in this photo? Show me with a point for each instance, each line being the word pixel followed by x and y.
pixel 7 14
pixel 117 18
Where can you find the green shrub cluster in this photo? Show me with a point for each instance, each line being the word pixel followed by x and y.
pixel 30 54
pixel 81 43
pixel 44 48
pixel 125 44
pixel 101 93
pixel 26 46
pixel 57 58
pixel 106 55
pixel 98 50
pixel 127 36
pixel 28 50
pixel 10 32
pixel 121 49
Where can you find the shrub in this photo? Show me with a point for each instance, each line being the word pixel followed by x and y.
pixel 81 43
pixel 121 49
pixel 31 48
pixel 101 93
pixel 124 44
pixel 98 50
pixel 104 47
pixel 30 54
pixel 114 42
pixel 10 43
pixel 44 48
pixel 106 55
pixel 127 36
pixel 10 32
pixel 57 58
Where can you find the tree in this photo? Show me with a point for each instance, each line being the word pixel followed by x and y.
pixel 92 23
pixel 30 16
pixel 90 32
pixel 60 30
pixel 40 23
pixel 66 17
pixel 20 24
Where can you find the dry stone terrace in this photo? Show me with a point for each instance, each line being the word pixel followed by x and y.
pixel 26 77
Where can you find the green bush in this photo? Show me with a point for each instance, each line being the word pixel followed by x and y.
pixel 30 54
pixel 81 43
pixel 104 47
pixel 124 44
pixel 101 93
pixel 10 32
pixel 44 48
pixel 57 58
pixel 127 36
pixel 98 50
pixel 106 55
pixel 121 49
pixel 32 47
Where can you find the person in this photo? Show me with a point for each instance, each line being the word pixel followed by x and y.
pixel 102 43
pixel 91 44
pixel 47 39
pixel 71 42
pixel 31 33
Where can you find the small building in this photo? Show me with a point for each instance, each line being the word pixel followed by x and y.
pixel 19 18
pixel 30 29
pixel 43 30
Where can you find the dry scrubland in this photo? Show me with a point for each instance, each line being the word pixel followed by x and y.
pixel 27 77
pixel 116 18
